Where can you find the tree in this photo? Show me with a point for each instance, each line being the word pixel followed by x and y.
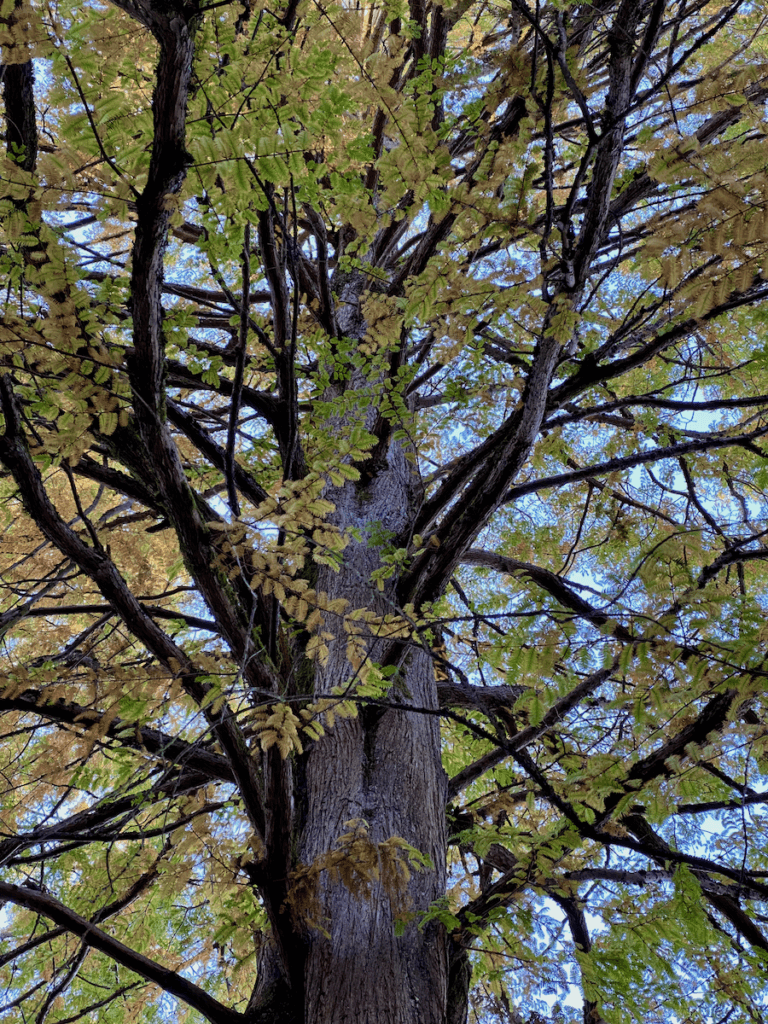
pixel 383 392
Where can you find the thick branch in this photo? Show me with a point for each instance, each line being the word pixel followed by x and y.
pixel 488 698
pixel 525 737
pixel 549 581
pixel 21 140
pixel 169 748
pixel 655 765
pixel 92 824
pixel 169 981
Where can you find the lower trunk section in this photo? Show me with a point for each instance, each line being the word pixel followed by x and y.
pixel 382 768
pixel 387 773
pixel 373 778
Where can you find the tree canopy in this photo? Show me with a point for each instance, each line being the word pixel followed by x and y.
pixel 384 478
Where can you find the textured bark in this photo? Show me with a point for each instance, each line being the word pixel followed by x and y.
pixel 383 766
pixel 388 773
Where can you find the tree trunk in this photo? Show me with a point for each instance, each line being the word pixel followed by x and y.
pixel 382 767
pixel 379 773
